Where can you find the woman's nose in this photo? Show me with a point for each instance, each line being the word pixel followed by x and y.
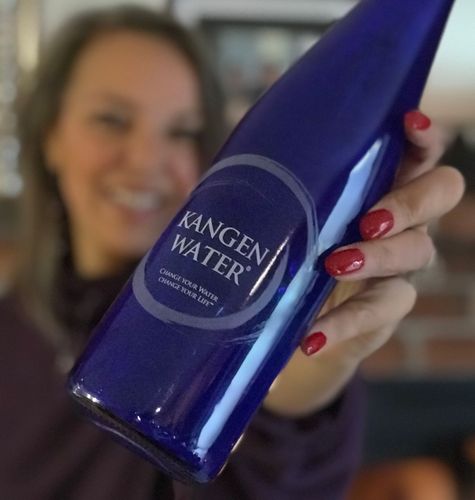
pixel 146 153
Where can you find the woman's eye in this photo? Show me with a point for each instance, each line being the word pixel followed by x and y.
pixel 112 121
pixel 185 134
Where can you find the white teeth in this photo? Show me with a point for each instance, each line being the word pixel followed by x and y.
pixel 136 200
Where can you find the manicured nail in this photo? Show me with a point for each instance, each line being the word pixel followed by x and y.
pixel 376 224
pixel 417 120
pixel 313 343
pixel 344 262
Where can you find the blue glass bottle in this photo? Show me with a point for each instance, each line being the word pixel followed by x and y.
pixel 187 352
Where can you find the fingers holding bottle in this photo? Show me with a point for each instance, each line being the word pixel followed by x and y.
pixel 394 230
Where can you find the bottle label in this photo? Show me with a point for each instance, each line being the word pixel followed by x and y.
pixel 232 250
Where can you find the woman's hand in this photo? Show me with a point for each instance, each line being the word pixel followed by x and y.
pixel 372 295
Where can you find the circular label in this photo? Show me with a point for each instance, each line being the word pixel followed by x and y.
pixel 233 248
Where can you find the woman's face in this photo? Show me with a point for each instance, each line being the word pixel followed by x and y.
pixel 124 147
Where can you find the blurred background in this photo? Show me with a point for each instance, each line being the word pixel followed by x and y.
pixel 422 383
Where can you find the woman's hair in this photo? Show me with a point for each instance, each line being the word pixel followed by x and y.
pixel 44 235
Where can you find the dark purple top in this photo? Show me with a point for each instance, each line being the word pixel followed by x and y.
pixel 49 452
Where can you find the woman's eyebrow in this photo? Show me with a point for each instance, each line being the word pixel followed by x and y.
pixel 113 98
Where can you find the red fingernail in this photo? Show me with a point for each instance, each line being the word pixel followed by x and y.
pixel 417 120
pixel 313 343
pixel 344 262
pixel 376 224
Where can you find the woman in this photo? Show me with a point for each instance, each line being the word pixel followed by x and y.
pixel 120 120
